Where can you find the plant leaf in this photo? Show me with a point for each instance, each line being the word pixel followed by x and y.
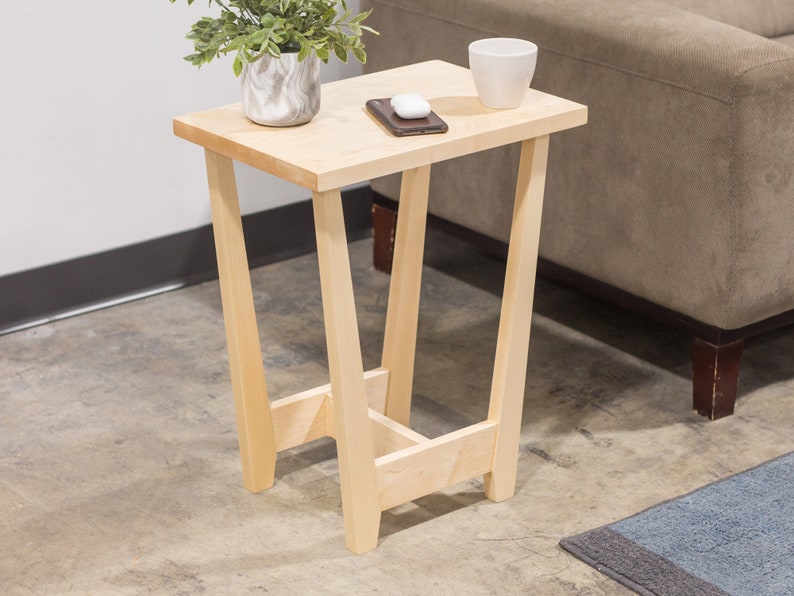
pixel 341 53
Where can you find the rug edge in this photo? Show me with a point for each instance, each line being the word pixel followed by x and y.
pixel 589 548
pixel 572 545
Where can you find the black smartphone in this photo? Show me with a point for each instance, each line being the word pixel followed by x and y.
pixel 400 127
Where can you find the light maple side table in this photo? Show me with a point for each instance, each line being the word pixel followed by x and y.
pixel 382 462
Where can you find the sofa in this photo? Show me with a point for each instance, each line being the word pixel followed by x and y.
pixel 677 199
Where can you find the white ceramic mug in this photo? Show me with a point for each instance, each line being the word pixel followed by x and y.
pixel 502 68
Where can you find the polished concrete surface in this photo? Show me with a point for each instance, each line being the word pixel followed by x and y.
pixel 119 471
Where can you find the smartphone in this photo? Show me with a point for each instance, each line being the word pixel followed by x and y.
pixel 400 127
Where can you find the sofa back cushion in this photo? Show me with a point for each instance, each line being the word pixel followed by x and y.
pixel 770 18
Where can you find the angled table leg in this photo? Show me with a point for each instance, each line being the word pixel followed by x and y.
pixel 512 348
pixel 254 425
pixel 402 316
pixel 359 484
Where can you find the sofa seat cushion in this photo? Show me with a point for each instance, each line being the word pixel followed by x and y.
pixel 769 18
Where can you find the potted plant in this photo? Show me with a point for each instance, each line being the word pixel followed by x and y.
pixel 278 45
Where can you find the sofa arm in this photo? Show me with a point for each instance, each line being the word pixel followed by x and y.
pixel 680 188
pixel 642 38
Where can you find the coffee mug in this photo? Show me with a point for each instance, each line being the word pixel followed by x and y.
pixel 502 68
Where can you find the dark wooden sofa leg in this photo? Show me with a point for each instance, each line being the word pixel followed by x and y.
pixel 715 377
pixel 384 227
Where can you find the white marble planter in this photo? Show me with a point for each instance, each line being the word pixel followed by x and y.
pixel 281 91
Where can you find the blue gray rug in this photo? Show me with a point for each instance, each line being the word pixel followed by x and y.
pixel 735 536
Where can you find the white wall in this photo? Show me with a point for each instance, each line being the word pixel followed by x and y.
pixel 88 161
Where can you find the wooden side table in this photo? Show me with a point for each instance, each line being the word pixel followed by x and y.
pixel 382 462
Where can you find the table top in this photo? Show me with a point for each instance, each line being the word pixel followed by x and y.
pixel 344 144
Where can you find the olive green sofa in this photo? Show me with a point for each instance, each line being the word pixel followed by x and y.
pixel 677 198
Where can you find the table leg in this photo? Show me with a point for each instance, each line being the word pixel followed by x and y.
pixel 359 484
pixel 399 342
pixel 254 424
pixel 512 348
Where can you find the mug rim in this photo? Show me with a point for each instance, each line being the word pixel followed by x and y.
pixel 519 47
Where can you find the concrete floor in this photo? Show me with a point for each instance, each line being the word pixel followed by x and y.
pixel 118 455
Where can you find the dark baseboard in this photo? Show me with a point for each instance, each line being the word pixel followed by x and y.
pixel 47 293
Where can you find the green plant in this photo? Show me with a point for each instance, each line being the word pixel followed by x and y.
pixel 255 28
